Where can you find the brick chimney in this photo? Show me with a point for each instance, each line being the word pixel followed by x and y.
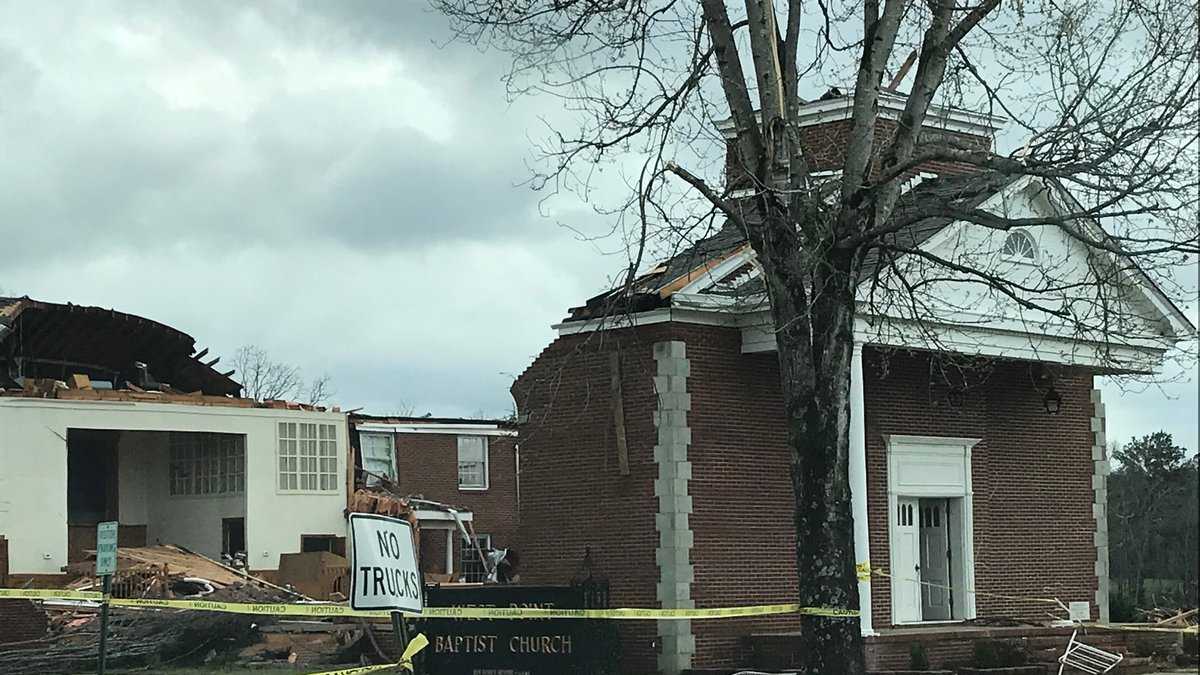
pixel 825 130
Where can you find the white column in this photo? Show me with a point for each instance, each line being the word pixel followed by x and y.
pixel 450 550
pixel 858 486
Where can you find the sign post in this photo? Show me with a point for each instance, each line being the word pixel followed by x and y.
pixel 106 565
pixel 384 573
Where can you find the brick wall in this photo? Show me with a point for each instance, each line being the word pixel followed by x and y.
pixel 1031 476
pixel 427 464
pixel 825 147
pixel 741 489
pixel 574 500
pixel 20 620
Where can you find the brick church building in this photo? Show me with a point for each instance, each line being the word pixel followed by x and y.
pixel 653 443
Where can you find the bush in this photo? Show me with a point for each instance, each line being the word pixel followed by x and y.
pixel 1000 653
pixel 917 659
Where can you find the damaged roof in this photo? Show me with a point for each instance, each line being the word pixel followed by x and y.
pixel 47 339
pixel 655 288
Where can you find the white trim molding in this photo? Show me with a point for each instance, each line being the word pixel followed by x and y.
pixel 858 489
pixel 435 428
pixel 662 315
pixel 933 466
pixel 976 340
pixel 429 518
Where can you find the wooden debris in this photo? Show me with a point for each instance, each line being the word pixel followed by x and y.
pixel 79 381
pixel 1182 619
pixel 618 403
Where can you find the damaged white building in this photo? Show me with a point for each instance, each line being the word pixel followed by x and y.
pixel 109 416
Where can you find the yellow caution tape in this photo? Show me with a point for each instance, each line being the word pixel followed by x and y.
pixel 360 669
pixel 414 647
pixel 1051 601
pixel 863 571
pixel 287 609
pixel 48 594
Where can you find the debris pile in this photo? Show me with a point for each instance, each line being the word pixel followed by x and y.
pixel 171 572
pixel 153 638
pixel 79 387
pixel 1171 618
pixel 135 639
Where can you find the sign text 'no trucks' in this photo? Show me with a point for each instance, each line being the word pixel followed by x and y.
pixel 384 572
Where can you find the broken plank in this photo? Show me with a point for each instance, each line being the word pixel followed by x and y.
pixel 614 366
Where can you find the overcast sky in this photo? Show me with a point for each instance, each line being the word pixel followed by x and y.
pixel 322 180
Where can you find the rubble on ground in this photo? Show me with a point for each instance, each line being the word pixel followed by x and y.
pixel 139 638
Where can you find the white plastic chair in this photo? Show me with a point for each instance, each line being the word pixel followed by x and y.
pixel 1087 658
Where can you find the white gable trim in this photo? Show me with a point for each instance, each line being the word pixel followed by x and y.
pixel 666 314
pixel 1181 326
pixel 710 277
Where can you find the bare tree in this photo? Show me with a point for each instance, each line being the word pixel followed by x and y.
pixel 320 390
pixel 1104 94
pixel 264 379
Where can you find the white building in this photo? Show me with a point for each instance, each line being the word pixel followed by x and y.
pixel 212 473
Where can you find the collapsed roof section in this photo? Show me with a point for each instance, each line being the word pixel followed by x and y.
pixel 724 265
pixel 51 340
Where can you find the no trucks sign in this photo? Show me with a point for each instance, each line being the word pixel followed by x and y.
pixel 383 564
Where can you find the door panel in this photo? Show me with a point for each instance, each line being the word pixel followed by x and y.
pixel 906 551
pixel 935 567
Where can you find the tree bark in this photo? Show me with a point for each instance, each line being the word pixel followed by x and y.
pixel 815 340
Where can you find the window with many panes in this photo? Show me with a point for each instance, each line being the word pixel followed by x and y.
pixel 207 464
pixel 378 457
pixel 1019 247
pixel 472 462
pixel 473 569
pixel 307 457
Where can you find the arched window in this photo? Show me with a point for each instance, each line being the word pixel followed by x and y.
pixel 1019 246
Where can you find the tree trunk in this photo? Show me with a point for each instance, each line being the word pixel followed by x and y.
pixel 815 375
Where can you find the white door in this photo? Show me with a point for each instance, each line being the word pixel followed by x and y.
pixel 906 568
pixel 935 563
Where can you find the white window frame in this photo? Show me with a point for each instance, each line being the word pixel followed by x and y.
pixel 203 464
pixel 1029 239
pixel 307 458
pixel 390 441
pixel 486 479
pixel 940 467
pixel 471 557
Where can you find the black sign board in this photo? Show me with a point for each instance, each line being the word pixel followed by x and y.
pixel 519 646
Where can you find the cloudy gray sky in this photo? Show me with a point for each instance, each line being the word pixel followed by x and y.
pixel 321 179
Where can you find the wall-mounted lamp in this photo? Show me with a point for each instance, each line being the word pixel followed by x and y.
pixel 956 398
pixel 1052 401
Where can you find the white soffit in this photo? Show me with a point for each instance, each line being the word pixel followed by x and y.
pixel 449 429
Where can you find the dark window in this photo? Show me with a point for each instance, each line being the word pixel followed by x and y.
pixel 311 543
pixel 233 536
